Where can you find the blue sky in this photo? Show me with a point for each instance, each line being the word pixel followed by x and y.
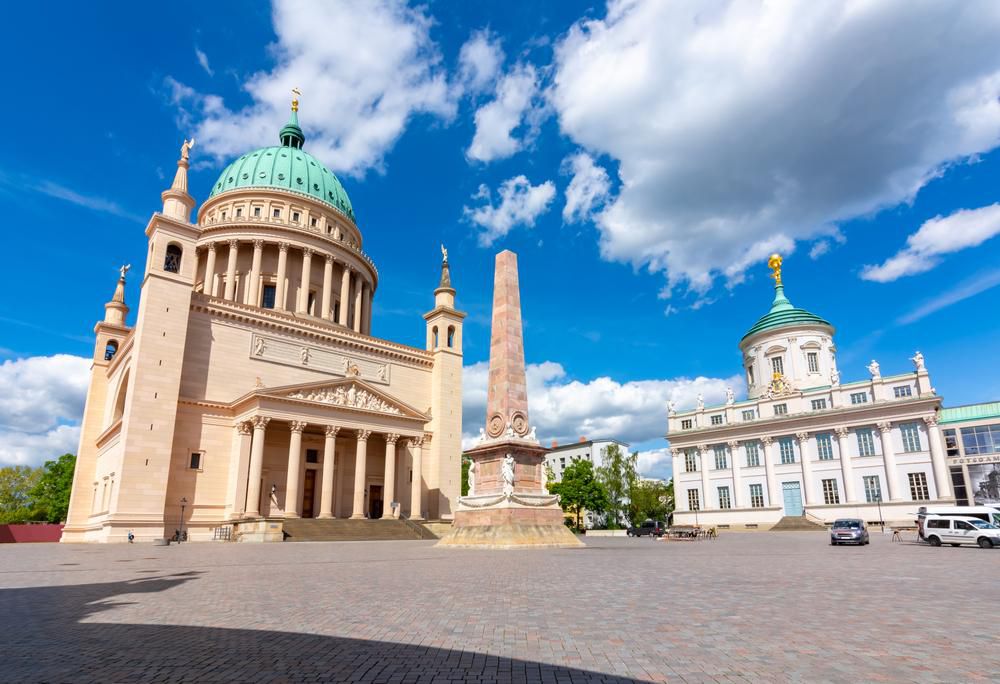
pixel 642 159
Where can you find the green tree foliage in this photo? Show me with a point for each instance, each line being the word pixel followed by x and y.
pixel 51 493
pixel 465 476
pixel 16 485
pixel 618 475
pixel 579 490
pixel 650 500
pixel 550 476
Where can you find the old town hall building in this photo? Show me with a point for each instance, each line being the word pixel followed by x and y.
pixel 250 387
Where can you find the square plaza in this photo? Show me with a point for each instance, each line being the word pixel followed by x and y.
pixel 748 607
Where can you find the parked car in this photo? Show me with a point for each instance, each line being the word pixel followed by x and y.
pixel 653 528
pixel 849 531
pixel 941 529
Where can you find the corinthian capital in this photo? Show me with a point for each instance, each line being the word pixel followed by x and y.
pixel 885 426
pixel 297 425
pixel 332 430
pixel 243 428
pixel 801 436
pixel 391 438
pixel 260 422
pixel 363 435
pixel 767 440
pixel 842 431
pixel 931 421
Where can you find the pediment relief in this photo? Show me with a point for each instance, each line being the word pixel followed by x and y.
pixel 811 345
pixel 348 394
pixel 775 349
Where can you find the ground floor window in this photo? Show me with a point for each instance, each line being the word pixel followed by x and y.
pixel 830 493
pixel 918 487
pixel 873 491
pixel 724 498
pixel 756 496
pixel 693 502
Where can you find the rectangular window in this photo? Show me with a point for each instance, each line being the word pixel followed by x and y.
pixel 267 297
pixel 753 454
pixel 951 442
pixel 223 216
pixel 812 358
pixel 276 213
pixel 873 490
pixel 902 391
pixel 724 498
pixel 911 437
pixel 918 487
pixel 256 212
pixel 721 460
pixel 312 455
pixel 818 404
pixel 196 460
pixel 717 420
pixel 781 409
pixel 749 414
pixel 756 496
pixel 824 447
pixel 830 494
pixel 686 424
pixel 981 439
pixel 777 365
pixel 694 503
pixel 690 462
pixel 859 397
pixel 312 223
pixel 311 303
pixel 787 450
pixel 295 217
pixel 239 212
pixel 750 375
pixel 866 442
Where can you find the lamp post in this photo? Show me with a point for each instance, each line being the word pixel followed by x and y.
pixel 180 535
pixel 878 501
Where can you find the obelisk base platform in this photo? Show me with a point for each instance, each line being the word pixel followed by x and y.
pixel 504 527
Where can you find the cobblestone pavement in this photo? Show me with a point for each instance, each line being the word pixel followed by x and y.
pixel 757 607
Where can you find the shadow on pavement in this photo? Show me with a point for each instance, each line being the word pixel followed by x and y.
pixel 46 641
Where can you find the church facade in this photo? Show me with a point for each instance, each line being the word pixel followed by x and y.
pixel 249 387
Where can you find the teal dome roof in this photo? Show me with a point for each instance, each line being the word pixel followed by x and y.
pixel 286 167
pixel 783 314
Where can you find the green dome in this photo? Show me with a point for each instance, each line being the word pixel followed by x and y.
pixel 783 314
pixel 286 167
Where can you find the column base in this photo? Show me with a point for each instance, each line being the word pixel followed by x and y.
pixel 292 515
pixel 325 517
pixel 358 517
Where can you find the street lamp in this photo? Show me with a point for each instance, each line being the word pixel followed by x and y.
pixel 180 535
pixel 878 501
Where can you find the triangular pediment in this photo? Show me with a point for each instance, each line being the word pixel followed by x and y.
pixel 350 393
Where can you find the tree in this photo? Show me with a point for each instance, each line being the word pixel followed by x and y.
pixel 550 476
pixel 51 493
pixel 619 476
pixel 16 485
pixel 579 490
pixel 465 475
pixel 650 500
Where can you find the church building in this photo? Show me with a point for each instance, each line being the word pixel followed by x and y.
pixel 249 388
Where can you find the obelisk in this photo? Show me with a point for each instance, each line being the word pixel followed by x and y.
pixel 508 506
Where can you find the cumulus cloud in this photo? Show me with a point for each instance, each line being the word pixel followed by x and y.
pixel 656 463
pixel 564 409
pixel 938 236
pixel 512 110
pixel 479 61
pixel 363 80
pixel 41 403
pixel 520 204
pixel 741 128
pixel 587 190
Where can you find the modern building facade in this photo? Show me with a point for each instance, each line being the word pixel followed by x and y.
pixel 972 447
pixel 561 456
pixel 250 387
pixel 804 442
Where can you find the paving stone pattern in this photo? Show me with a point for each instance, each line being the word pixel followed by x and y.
pixel 751 607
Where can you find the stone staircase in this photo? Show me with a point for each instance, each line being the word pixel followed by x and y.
pixel 312 529
pixel 797 523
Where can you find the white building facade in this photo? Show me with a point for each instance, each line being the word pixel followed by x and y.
pixel 804 443
pixel 562 456
pixel 972 448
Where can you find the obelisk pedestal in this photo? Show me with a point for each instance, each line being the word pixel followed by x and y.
pixel 508 506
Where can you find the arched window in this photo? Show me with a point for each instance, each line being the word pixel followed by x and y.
pixel 172 262
pixel 120 400
pixel 435 337
pixel 451 336
pixel 110 350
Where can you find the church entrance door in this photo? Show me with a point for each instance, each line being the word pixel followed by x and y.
pixel 308 493
pixel 375 501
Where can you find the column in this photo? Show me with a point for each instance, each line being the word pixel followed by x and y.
pixel 416 485
pixel 358 294
pixel 366 323
pixel 942 476
pixel 303 306
pixel 737 475
pixel 345 294
pixel 389 485
pixel 279 290
pixel 680 500
pixel 292 503
pixel 327 286
pixel 239 460
pixel 329 462
pixel 234 253
pixel 889 459
pixel 845 464
pixel 253 285
pixel 256 466
pixel 208 284
pixel 808 495
pixel 772 486
pixel 360 462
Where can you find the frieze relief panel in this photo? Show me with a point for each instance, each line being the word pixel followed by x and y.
pixel 289 353
pixel 351 397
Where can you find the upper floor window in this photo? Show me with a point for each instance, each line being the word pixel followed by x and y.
pixel 276 213
pixel 911 437
pixel 312 222
pixel 686 424
pixel 267 297
pixel 787 450
pixel 780 409
pixel 195 463
pixel 818 404
pixel 172 262
pixel 950 442
pixel 753 454
pixel 812 359
pixel 902 391
pixel 451 336
pixel 256 212
pixel 239 212
pixel 223 215
pixel 312 455
pixel 749 414
pixel 110 350
pixel 717 419
pixel 721 459
pixel 690 462
pixel 777 365
pixel 824 447
pixel 866 443
pixel 981 439
pixel 750 374
pixel 295 217
pixel 859 397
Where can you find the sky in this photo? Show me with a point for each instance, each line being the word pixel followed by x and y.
pixel 642 159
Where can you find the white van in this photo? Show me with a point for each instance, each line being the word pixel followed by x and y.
pixel 942 529
pixel 985 513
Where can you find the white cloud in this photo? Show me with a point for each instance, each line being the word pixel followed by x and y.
pixel 962 291
pixel 203 61
pixel 741 128
pixel 365 69
pixel 656 463
pixel 587 190
pixel 520 204
pixel 93 202
pixel 497 120
pixel 479 61
pixel 41 403
pixel 564 409
pixel 938 236
pixel 819 249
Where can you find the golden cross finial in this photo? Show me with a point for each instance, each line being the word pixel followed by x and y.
pixel 295 100
pixel 774 263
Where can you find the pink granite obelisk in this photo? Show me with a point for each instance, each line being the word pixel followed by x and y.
pixel 508 505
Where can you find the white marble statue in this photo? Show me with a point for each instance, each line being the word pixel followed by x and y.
pixel 918 361
pixel 186 149
pixel 835 377
pixel 533 434
pixel 444 254
pixel 472 478
pixel 671 408
pixel 873 368
pixel 126 267
pixel 701 403
pixel 258 346
pixel 544 477
pixel 304 355
pixel 507 473
pixel 382 370
pixel 482 435
pixel 730 396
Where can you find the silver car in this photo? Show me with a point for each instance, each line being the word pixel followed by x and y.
pixel 848 531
